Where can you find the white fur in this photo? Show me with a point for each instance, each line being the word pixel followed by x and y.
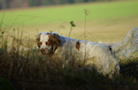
pixel 43 38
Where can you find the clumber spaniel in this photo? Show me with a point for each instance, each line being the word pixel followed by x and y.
pixel 100 56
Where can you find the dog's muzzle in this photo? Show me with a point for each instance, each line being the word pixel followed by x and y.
pixel 44 51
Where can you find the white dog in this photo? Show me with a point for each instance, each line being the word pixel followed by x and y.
pixel 97 55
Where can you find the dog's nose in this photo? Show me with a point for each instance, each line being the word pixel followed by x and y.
pixel 43 51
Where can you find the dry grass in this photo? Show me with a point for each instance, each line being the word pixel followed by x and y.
pixel 28 69
pixel 32 71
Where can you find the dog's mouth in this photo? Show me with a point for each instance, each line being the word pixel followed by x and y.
pixel 47 52
pixel 44 51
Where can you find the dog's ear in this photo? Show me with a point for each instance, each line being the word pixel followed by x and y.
pixel 38 40
pixel 57 41
pixel 54 41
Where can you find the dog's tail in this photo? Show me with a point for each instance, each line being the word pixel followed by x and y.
pixel 127 46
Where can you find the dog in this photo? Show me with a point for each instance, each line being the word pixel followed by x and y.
pixel 100 56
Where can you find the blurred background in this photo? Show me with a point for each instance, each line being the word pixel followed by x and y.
pixel 105 21
pixel 5 4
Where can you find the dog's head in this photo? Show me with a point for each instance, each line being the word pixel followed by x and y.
pixel 48 42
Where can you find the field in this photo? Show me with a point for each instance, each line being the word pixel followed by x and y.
pixel 108 22
pixel 28 69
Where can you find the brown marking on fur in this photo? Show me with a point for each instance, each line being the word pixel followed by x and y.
pixel 78 45
pixel 54 41
pixel 38 41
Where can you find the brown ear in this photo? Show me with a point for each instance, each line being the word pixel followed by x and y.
pixel 55 41
pixel 38 40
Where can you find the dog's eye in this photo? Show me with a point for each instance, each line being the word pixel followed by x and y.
pixel 39 44
pixel 46 43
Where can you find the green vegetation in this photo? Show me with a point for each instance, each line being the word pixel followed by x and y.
pixel 106 22
pixel 38 16
pixel 6 84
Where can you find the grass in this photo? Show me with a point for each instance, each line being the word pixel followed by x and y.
pixel 106 22
pixel 25 70
pixel 69 12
